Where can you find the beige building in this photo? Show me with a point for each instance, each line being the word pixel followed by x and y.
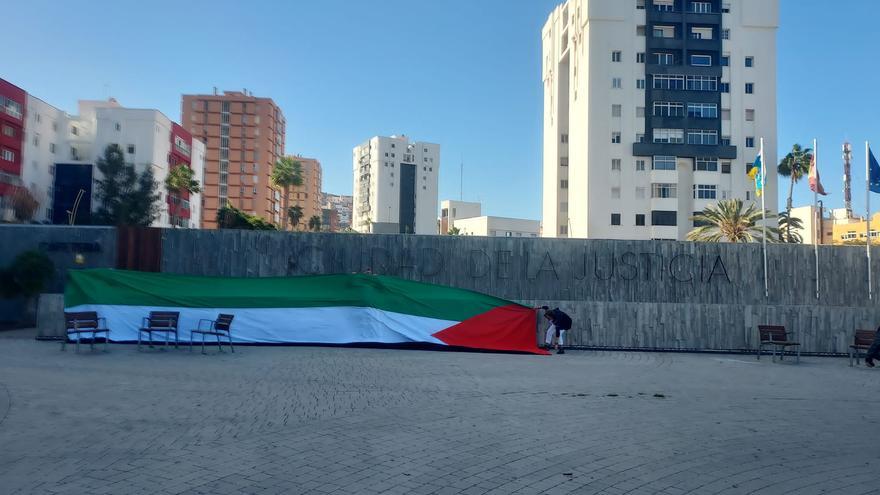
pixel 451 210
pixel 854 231
pixel 308 195
pixel 488 226
pixel 814 220
pixel 244 137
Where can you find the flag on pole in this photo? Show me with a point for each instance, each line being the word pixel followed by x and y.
pixel 873 173
pixel 815 182
pixel 756 174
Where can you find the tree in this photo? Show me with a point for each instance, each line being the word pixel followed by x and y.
pixel 315 223
pixel 295 213
pixel 728 222
pixel 24 205
pixel 126 197
pixel 787 223
pixel 795 166
pixel 230 217
pixel 287 172
pixel 454 231
pixel 26 277
pixel 182 178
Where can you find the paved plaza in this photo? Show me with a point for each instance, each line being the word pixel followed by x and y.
pixel 362 421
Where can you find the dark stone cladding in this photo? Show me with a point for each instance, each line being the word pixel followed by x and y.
pixel 682 45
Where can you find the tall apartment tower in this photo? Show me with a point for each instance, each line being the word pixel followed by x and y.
pixel 395 186
pixel 653 110
pixel 244 137
pixel 308 195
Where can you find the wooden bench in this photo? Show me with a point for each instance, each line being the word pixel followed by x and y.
pixel 862 340
pixel 160 322
pixel 776 336
pixel 222 326
pixel 78 323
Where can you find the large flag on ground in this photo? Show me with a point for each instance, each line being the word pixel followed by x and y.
pixel 323 309
pixel 755 173
pixel 873 173
pixel 815 182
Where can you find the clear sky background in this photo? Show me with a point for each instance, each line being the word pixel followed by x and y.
pixel 462 73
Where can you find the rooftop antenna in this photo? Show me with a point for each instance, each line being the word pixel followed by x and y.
pixel 847 179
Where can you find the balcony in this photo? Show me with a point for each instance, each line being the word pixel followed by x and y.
pixel 691 150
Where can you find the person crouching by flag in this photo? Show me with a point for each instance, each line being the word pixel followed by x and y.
pixel 559 323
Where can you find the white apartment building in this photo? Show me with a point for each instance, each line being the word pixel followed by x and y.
pixel 395 186
pixel 653 110
pixel 451 210
pixel 62 151
pixel 490 226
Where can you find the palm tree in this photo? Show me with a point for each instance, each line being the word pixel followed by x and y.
pixel 787 223
pixel 287 172
pixel 182 178
pixel 795 166
pixel 315 223
pixel 295 213
pixel 728 222
pixel 454 231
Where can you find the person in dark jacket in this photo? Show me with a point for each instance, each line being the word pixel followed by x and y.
pixel 559 323
pixel 874 350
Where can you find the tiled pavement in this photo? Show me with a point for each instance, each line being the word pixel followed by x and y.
pixel 362 421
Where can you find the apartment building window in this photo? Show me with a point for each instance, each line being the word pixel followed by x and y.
pixel 36 139
pixel 750 88
pixel 640 4
pixel 564 140
pixel 616 56
pixel 118 127
pixel 725 34
pixel 702 83
pixel 703 191
pixel 701 60
pixel 750 61
pixel 664 190
pixel 640 112
pixel 663 218
pixel 662 58
pixel 640 138
pixel 563 183
pixel 563 161
pixel 662 162
pixel 616 110
pixel 725 140
pixel 725 61
pixel 130 149
pixel 8 155
pixel 702 33
pixel 668 82
pixel 616 83
pixel 725 114
pixel 615 193
pixel 702 137
pixel 640 83
pixel 224 107
pixel 52 148
pixel 640 165
pixel 640 219
pixel 12 108
pixel 725 167
pixel 615 164
pixel 724 87
pixel 664 31
pixel 701 7
pixel 668 109
pixel 704 164
pixel 750 115
pixel 703 110
pixel 640 31
pixel 615 219
pixel 615 138
pixel 669 136
pixel 750 142
pixel 640 57
pixel 8 131
pixel 74 131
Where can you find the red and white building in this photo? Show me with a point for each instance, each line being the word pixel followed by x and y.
pixel 53 154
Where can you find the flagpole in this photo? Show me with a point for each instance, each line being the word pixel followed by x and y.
pixel 764 218
pixel 868 206
pixel 816 210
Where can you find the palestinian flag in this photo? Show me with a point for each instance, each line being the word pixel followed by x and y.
pixel 323 309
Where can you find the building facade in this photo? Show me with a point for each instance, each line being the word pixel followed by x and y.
pixel 308 196
pixel 244 137
pixel 653 110
pixel 343 206
pixel 815 222
pixel 489 226
pixel 13 109
pixel 451 210
pixel 855 230
pixel 395 186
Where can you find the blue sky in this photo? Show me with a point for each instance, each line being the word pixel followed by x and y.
pixel 462 73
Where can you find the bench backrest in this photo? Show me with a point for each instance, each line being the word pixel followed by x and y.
pixel 224 322
pixel 81 319
pixel 863 338
pixel 163 319
pixel 773 333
